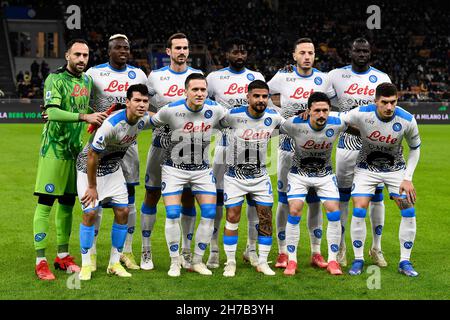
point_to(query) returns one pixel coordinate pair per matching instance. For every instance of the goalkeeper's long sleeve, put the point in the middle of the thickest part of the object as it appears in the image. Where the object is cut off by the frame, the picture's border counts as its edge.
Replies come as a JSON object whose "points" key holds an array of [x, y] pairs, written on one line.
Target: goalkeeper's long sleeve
{"points": [[56, 114]]}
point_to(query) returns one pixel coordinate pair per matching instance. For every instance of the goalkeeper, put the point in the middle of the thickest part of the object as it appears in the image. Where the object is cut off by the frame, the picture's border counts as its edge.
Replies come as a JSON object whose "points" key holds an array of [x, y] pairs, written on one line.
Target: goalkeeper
{"points": [[66, 106]]}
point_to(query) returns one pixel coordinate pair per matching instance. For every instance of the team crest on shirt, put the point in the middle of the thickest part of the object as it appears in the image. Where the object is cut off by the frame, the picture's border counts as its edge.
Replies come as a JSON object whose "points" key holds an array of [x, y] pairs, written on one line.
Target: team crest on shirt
{"points": [[373, 78], [329, 133], [208, 114], [50, 187], [250, 77], [268, 121], [141, 124], [318, 80], [131, 74], [397, 126]]}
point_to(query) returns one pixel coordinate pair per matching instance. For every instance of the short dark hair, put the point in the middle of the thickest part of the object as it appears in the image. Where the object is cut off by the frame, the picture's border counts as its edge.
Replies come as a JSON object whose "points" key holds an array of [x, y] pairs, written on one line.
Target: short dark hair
{"points": [[302, 40], [73, 41], [193, 76], [385, 89], [178, 35], [234, 42], [318, 96], [360, 40], [141, 88], [257, 84]]}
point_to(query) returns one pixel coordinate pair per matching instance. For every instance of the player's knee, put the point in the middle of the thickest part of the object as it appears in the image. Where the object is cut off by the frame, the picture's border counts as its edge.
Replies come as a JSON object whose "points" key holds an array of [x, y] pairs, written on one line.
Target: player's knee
{"points": [[173, 211], [378, 197], [408, 213], [359, 212], [152, 197], [67, 200], [208, 210], [89, 217], [46, 200], [121, 214], [334, 215], [344, 194]]}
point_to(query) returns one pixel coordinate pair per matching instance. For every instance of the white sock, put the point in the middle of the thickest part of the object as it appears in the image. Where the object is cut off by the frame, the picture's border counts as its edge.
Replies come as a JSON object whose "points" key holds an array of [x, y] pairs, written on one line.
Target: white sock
{"points": [[97, 223], [187, 227], [377, 222], [203, 235], [39, 259], [281, 217], [407, 234], [62, 255], [173, 234], [115, 256], [343, 208], [314, 222], [333, 239], [292, 237], [263, 253], [128, 247], [358, 232], [230, 251], [215, 236], [86, 258], [147, 224], [252, 230]]}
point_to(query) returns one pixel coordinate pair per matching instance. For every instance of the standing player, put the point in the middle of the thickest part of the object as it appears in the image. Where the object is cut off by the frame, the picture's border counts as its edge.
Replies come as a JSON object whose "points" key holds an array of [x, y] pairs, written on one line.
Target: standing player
{"points": [[311, 168], [228, 86], [246, 174], [294, 88], [111, 82], [66, 105], [191, 121], [355, 86], [166, 85], [100, 176], [383, 126]]}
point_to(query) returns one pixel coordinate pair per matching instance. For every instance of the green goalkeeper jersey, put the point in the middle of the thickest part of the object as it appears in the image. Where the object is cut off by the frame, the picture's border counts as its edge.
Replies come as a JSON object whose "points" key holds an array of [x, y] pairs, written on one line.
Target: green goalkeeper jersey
{"points": [[62, 140]]}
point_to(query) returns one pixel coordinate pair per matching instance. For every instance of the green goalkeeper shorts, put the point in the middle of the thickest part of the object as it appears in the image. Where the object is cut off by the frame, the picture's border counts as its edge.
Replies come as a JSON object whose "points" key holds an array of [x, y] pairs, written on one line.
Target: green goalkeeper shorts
{"points": [[56, 177]]}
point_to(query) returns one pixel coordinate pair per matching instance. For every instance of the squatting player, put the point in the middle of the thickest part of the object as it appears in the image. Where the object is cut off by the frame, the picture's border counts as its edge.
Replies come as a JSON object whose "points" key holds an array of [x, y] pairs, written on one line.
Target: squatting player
{"points": [[383, 126], [66, 106], [111, 81], [246, 174], [100, 177], [229, 87], [166, 85], [294, 88], [191, 121], [312, 168]]}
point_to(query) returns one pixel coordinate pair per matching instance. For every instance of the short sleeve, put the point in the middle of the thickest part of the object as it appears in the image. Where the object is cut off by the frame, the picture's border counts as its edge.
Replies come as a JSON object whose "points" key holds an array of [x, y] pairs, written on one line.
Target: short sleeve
{"points": [[350, 118], [274, 84], [101, 137], [412, 135], [160, 118]]}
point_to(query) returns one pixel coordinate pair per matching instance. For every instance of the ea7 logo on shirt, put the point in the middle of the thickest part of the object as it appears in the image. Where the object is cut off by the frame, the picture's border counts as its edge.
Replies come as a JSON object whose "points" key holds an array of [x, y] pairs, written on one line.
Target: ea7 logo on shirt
{"points": [[346, 76], [79, 91], [174, 91], [180, 114], [104, 74]]}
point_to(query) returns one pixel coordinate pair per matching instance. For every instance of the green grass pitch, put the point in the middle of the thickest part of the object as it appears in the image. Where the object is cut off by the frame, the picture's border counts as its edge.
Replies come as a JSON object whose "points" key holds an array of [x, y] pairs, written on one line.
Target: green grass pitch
{"points": [[20, 144]]}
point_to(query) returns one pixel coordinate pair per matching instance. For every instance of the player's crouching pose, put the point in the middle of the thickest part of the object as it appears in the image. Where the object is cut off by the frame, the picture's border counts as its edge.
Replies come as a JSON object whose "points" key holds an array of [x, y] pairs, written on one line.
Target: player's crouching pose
{"points": [[383, 126], [312, 168], [246, 174], [100, 178], [191, 121]]}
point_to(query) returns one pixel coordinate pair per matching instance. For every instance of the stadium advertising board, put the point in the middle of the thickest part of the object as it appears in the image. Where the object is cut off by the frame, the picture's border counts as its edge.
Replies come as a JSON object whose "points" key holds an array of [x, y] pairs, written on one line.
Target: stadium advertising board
{"points": [[425, 113]]}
